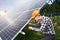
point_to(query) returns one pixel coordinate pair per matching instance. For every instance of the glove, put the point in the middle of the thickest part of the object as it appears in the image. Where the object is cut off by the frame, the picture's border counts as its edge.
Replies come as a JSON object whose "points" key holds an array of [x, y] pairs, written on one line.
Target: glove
{"points": [[31, 28]]}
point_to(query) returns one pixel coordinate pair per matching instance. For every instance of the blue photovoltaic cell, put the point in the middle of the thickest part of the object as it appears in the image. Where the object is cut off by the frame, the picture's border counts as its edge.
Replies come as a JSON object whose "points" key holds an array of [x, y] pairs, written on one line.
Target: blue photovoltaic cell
{"points": [[16, 20], [12, 29]]}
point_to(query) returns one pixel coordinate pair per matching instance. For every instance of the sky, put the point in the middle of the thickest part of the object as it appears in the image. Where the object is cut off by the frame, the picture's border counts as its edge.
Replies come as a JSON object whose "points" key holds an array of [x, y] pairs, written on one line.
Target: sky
{"points": [[49, 2]]}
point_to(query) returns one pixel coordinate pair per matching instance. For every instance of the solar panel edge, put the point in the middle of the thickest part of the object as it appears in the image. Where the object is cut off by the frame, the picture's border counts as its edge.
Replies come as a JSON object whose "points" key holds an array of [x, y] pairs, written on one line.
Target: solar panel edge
{"points": [[21, 29], [26, 23]]}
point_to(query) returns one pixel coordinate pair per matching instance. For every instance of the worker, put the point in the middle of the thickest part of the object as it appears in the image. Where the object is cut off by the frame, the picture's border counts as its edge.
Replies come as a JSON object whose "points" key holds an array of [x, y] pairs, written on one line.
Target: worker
{"points": [[46, 25]]}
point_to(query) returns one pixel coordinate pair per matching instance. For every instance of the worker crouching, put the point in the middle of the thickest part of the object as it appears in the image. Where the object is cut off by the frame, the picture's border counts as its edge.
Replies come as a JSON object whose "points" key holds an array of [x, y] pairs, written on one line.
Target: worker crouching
{"points": [[46, 25]]}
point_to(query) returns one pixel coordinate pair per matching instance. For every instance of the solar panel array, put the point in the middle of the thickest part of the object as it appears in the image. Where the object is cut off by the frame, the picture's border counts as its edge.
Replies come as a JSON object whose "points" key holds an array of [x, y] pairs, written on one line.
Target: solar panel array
{"points": [[14, 23]]}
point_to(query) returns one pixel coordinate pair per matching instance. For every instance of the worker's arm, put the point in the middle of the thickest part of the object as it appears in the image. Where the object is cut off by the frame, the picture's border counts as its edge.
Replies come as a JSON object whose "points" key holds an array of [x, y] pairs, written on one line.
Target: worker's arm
{"points": [[42, 28], [34, 25]]}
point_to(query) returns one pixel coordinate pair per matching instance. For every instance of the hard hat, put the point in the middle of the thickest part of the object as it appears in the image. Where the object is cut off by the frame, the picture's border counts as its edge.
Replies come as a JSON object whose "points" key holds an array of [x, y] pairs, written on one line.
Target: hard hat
{"points": [[35, 13]]}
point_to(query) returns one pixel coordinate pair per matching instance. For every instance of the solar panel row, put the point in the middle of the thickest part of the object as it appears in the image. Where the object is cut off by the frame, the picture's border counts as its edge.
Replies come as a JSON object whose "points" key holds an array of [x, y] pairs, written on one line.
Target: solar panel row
{"points": [[8, 31]]}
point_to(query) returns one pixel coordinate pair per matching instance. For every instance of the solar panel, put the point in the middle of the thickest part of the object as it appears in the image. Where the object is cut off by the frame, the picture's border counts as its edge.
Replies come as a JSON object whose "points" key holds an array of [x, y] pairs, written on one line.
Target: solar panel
{"points": [[13, 23]]}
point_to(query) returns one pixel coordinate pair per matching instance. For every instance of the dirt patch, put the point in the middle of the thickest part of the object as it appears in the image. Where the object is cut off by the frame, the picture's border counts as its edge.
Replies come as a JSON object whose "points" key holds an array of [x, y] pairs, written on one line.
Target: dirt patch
{"points": [[38, 33], [58, 27]]}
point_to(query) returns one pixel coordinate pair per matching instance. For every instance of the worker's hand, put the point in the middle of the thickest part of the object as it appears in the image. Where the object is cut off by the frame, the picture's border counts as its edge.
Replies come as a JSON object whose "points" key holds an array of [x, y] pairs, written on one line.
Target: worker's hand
{"points": [[31, 28], [29, 23]]}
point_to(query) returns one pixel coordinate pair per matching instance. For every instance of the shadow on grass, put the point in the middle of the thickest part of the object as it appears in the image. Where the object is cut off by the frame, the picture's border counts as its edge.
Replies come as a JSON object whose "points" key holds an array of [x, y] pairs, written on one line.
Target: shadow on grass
{"points": [[31, 35]]}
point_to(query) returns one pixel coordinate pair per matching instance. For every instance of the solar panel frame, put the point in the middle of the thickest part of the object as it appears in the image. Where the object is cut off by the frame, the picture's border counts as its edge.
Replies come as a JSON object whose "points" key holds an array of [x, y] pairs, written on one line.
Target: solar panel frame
{"points": [[27, 21]]}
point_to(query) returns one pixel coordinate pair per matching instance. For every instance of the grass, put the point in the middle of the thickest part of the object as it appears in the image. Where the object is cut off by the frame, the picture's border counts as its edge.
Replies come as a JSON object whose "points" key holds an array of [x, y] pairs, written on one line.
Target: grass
{"points": [[57, 33], [32, 35]]}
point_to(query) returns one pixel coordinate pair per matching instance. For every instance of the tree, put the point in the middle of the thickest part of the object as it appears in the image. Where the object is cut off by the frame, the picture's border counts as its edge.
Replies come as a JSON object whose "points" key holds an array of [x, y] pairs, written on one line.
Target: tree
{"points": [[51, 9]]}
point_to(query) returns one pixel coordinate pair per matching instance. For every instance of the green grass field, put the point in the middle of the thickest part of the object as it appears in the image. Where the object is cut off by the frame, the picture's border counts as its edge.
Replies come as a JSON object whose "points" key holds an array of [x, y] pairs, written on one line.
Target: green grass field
{"points": [[32, 35]]}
